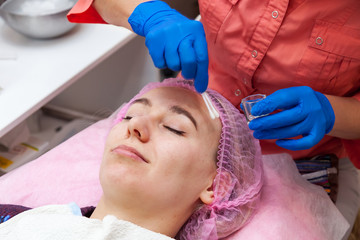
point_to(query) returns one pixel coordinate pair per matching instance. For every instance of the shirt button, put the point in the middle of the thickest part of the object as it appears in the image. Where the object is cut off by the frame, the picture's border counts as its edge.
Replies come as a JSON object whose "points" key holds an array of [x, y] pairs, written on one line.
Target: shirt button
{"points": [[254, 54], [237, 92], [245, 80], [319, 41], [275, 14]]}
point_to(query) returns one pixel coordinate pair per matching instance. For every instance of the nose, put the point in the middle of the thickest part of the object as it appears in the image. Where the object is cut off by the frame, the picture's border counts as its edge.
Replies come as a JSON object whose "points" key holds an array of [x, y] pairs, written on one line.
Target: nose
{"points": [[139, 127]]}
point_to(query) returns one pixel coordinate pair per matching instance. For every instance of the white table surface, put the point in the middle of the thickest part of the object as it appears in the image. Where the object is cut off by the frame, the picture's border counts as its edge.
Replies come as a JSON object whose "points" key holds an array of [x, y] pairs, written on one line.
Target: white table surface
{"points": [[32, 72]]}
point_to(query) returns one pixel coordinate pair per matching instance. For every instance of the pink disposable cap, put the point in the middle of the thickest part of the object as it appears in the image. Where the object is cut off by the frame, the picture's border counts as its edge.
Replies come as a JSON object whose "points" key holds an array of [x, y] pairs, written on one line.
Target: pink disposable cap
{"points": [[238, 181]]}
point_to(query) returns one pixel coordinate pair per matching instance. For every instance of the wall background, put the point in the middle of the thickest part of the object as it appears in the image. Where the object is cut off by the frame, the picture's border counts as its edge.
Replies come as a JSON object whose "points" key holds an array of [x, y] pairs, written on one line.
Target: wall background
{"points": [[189, 8]]}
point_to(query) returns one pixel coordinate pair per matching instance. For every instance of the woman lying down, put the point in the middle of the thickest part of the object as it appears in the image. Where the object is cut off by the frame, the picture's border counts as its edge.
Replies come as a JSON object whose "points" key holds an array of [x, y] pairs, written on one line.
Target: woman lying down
{"points": [[168, 171]]}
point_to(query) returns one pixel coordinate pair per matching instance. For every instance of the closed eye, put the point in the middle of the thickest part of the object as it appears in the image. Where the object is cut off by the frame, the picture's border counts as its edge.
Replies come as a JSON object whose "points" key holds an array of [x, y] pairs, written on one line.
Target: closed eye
{"points": [[178, 132]]}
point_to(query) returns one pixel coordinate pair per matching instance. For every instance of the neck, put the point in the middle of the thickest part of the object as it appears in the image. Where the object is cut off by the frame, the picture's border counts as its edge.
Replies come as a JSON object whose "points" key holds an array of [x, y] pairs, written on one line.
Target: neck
{"points": [[162, 221]]}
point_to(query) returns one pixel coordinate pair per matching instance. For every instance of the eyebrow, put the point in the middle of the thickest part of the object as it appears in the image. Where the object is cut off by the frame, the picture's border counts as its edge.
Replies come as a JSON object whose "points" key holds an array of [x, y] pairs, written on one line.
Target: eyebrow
{"points": [[175, 109], [144, 101], [180, 110]]}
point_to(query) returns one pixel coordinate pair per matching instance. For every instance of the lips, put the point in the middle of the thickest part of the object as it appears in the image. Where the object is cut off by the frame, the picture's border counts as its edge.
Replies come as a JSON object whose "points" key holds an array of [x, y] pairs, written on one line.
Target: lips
{"points": [[129, 152]]}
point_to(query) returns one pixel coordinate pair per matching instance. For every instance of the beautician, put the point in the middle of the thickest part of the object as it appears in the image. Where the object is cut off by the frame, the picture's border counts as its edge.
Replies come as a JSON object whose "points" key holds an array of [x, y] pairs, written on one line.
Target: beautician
{"points": [[305, 55]]}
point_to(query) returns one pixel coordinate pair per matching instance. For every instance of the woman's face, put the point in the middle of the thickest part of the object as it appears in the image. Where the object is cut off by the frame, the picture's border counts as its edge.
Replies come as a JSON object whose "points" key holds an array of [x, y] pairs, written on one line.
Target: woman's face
{"points": [[163, 153]]}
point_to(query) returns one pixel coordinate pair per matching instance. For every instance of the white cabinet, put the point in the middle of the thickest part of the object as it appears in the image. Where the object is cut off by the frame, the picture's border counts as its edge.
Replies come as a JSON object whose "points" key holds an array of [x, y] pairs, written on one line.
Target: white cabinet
{"points": [[105, 64], [92, 69]]}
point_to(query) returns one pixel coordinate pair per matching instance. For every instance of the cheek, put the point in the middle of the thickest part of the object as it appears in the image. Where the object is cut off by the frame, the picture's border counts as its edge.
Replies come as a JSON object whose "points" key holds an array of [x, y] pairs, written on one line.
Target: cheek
{"points": [[185, 159], [184, 176], [178, 152], [116, 133]]}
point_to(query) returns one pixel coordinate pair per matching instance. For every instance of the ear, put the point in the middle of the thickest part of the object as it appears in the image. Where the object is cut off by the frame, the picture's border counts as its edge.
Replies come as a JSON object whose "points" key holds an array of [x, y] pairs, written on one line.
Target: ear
{"points": [[225, 184], [207, 195]]}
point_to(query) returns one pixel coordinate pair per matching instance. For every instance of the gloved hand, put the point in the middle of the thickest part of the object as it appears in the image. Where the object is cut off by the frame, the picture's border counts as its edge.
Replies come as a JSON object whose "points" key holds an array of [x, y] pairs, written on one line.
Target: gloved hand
{"points": [[304, 112], [173, 40]]}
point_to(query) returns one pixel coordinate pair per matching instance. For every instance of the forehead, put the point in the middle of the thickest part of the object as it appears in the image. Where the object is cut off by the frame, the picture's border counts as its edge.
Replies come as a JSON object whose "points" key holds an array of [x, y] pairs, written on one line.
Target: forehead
{"points": [[181, 96]]}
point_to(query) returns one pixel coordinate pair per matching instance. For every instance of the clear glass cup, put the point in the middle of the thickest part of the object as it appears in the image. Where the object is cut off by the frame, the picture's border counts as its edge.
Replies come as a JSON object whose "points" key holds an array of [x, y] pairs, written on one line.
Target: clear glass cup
{"points": [[249, 102]]}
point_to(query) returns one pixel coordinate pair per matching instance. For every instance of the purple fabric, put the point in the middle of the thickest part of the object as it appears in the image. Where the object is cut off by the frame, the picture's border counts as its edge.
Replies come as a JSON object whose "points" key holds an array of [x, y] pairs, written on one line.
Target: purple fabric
{"points": [[8, 211]]}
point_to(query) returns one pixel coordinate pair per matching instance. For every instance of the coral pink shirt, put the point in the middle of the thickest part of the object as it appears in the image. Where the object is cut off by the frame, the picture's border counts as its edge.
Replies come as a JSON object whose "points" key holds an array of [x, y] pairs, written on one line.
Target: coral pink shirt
{"points": [[258, 46]]}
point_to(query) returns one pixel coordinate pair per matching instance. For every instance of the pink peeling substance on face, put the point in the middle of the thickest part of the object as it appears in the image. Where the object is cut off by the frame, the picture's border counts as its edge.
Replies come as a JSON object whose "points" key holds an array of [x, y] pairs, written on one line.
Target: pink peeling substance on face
{"points": [[129, 152]]}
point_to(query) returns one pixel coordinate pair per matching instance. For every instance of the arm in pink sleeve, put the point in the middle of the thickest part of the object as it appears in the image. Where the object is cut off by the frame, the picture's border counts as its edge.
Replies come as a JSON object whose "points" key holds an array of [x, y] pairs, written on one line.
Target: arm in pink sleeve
{"points": [[84, 12]]}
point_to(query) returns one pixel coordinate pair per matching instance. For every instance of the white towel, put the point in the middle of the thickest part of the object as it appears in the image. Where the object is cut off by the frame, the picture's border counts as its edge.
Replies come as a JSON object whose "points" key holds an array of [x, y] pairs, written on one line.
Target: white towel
{"points": [[62, 222]]}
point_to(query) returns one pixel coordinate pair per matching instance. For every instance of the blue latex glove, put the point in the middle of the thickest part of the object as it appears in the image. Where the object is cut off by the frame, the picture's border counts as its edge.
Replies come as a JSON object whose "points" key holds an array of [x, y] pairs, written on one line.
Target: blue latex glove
{"points": [[304, 112], [173, 40]]}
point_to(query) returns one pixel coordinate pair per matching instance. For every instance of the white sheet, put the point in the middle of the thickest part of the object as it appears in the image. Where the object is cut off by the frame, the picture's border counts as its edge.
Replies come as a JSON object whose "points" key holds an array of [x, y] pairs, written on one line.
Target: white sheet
{"points": [[63, 222]]}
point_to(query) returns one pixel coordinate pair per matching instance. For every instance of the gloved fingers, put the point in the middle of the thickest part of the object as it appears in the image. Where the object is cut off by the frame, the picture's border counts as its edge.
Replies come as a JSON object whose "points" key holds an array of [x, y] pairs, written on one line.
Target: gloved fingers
{"points": [[172, 57], [303, 143], [202, 59], [154, 42], [300, 128], [187, 58], [278, 120], [281, 99]]}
